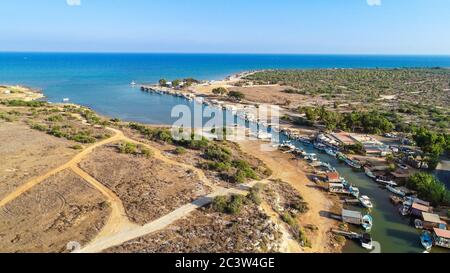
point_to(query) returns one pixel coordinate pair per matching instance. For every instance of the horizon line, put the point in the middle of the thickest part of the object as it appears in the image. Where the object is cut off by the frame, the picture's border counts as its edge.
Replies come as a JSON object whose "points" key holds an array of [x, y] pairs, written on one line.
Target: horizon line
{"points": [[227, 53]]}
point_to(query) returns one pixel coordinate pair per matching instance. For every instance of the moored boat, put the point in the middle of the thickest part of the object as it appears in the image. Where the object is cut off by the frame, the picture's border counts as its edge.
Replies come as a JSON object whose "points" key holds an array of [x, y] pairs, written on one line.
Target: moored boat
{"points": [[396, 191], [367, 222], [330, 152], [365, 202], [426, 240], [386, 181], [366, 241], [369, 173]]}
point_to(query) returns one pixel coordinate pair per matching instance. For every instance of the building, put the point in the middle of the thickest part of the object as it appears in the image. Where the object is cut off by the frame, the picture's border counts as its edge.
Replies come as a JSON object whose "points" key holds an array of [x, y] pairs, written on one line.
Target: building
{"points": [[343, 138], [441, 237], [431, 221], [333, 177], [417, 209], [351, 217]]}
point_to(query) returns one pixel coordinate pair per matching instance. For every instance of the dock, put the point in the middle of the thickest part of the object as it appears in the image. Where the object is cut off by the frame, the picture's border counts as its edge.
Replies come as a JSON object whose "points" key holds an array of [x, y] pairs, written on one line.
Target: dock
{"points": [[347, 234]]}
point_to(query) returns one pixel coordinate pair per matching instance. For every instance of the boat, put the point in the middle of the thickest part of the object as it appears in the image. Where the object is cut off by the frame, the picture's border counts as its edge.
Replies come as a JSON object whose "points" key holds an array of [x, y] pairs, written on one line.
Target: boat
{"points": [[427, 240], [369, 173], [341, 156], [418, 224], [395, 190], [366, 241], [133, 83], [66, 100], [367, 222], [304, 140], [365, 202], [319, 146], [330, 152], [386, 181], [353, 164], [404, 210], [354, 191]]}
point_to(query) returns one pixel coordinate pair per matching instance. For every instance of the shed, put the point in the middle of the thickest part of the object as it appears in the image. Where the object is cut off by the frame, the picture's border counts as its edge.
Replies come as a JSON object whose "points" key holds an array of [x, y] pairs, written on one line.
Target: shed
{"points": [[431, 221], [333, 177], [441, 237], [352, 217], [417, 209]]}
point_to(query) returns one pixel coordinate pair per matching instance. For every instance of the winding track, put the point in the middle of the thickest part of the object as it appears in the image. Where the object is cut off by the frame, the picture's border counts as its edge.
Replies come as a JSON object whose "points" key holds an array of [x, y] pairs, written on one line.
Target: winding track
{"points": [[118, 228]]}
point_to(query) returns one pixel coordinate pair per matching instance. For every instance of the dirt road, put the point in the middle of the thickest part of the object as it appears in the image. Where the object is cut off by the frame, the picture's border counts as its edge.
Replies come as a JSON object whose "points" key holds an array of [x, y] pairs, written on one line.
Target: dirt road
{"points": [[288, 171]]}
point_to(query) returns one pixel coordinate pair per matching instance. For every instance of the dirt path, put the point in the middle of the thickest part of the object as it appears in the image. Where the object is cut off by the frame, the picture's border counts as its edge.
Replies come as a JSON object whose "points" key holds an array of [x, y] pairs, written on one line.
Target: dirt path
{"points": [[288, 171], [119, 238], [72, 163], [118, 220]]}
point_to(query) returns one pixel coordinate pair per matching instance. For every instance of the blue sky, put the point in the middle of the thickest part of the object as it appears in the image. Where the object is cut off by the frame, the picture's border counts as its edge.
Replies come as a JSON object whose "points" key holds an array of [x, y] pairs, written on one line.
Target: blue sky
{"points": [[228, 26]]}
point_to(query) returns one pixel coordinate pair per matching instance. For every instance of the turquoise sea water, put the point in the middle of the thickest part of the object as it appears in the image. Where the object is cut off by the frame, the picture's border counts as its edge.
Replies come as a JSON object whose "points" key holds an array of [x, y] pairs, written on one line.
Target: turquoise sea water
{"points": [[102, 82]]}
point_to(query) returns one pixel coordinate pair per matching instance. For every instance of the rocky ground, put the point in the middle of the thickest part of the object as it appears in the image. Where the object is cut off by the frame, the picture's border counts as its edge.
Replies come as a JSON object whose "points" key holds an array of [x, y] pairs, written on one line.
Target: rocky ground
{"points": [[62, 209], [148, 188], [206, 231]]}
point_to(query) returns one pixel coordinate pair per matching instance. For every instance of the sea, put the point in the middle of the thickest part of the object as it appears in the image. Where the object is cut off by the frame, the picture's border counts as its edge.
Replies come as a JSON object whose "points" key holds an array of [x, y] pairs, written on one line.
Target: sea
{"points": [[101, 81]]}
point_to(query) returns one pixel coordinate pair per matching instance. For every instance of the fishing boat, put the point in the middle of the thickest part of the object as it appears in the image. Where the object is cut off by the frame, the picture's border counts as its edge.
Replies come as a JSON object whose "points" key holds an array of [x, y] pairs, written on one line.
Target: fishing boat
{"points": [[369, 173], [304, 140], [405, 210], [341, 156], [418, 224], [353, 164], [365, 202], [386, 181], [319, 146], [330, 152], [427, 240], [366, 241], [354, 191], [367, 222], [395, 191]]}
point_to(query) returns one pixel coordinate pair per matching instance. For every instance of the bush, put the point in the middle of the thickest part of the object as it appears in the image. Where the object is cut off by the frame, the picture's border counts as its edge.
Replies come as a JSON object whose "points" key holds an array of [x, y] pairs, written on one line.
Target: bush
{"points": [[76, 147], [180, 151], [146, 152], [22, 103], [219, 154], [255, 194], [220, 91], [236, 95], [39, 127], [127, 148], [55, 118], [229, 205]]}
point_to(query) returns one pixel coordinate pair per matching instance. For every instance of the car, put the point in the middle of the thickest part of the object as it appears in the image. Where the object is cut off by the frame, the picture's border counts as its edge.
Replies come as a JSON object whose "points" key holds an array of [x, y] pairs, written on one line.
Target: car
{"points": [[403, 166]]}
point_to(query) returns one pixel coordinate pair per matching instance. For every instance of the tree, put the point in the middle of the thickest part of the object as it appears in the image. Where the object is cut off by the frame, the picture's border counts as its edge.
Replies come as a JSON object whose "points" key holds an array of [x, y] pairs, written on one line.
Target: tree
{"points": [[220, 91], [236, 95], [429, 188], [162, 82], [176, 83]]}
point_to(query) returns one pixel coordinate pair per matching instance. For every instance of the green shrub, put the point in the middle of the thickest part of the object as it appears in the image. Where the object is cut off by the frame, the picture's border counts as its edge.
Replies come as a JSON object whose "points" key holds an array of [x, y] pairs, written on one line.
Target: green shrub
{"points": [[230, 205], [127, 148], [180, 151], [39, 127], [55, 118]]}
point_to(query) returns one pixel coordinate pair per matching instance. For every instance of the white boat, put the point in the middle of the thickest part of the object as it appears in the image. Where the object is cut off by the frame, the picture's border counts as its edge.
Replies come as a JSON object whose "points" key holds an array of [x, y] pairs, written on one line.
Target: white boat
{"points": [[353, 164], [331, 152], [405, 210], [365, 202], [418, 224], [385, 181], [133, 83], [395, 190], [66, 100], [367, 222], [366, 241], [369, 173], [354, 191]]}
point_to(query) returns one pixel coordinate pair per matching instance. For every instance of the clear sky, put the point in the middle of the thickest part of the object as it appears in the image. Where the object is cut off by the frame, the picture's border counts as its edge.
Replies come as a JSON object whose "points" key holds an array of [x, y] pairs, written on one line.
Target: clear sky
{"points": [[227, 26]]}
